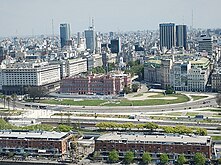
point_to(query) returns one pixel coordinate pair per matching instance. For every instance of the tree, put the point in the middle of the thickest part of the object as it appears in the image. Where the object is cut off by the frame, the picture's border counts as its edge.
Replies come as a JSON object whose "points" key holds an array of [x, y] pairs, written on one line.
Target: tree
{"points": [[218, 99], [151, 126], [199, 159], [169, 90], [135, 87], [63, 128], [113, 156], [35, 92], [164, 158], [146, 158], [181, 159], [8, 99], [129, 157], [126, 89], [201, 131], [14, 97]]}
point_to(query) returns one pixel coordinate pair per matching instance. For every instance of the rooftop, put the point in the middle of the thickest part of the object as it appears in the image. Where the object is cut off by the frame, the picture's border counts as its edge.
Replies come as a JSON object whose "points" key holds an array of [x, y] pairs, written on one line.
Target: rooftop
{"points": [[201, 61], [156, 138], [32, 135]]}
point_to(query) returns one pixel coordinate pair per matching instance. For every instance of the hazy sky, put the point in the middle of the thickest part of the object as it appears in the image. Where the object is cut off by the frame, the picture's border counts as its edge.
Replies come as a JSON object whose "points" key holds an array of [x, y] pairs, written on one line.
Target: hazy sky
{"points": [[27, 17]]}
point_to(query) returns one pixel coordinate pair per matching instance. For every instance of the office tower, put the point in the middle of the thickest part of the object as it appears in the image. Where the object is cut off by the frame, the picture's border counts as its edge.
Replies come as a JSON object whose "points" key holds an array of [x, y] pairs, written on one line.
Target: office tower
{"points": [[167, 35], [115, 46], [65, 34], [181, 36], [206, 44], [1, 53], [79, 38], [90, 39]]}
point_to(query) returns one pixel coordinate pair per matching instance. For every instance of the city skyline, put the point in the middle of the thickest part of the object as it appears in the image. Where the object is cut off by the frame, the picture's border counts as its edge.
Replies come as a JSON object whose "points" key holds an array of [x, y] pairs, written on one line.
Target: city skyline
{"points": [[25, 17]]}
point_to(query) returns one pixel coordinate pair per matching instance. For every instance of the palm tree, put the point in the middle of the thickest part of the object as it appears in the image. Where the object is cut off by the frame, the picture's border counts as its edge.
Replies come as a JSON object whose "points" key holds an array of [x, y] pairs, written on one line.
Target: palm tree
{"points": [[14, 97], [8, 99]]}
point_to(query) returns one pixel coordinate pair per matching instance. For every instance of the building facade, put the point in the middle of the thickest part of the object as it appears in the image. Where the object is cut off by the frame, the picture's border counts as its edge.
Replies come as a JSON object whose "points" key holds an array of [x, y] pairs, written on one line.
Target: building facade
{"points": [[179, 76], [65, 34], [152, 71], [90, 39], [167, 35], [76, 66], [206, 44], [216, 80], [115, 46], [47, 144], [172, 145], [15, 77], [181, 36], [95, 84], [166, 65]]}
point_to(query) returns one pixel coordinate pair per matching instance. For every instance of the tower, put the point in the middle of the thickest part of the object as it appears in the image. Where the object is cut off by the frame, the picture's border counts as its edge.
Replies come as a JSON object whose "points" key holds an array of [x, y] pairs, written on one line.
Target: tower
{"points": [[90, 37], [65, 34], [206, 44], [181, 36], [115, 46], [167, 35]]}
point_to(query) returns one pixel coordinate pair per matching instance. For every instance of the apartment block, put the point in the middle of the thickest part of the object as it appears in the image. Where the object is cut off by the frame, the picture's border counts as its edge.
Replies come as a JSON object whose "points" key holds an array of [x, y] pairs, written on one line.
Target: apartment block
{"points": [[172, 145], [47, 144]]}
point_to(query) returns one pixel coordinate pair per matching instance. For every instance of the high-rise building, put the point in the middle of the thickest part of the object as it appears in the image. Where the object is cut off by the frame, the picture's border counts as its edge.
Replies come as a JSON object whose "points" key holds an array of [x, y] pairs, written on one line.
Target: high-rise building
{"points": [[115, 46], [181, 36], [167, 35], [65, 34], [206, 44], [1, 53], [90, 39]]}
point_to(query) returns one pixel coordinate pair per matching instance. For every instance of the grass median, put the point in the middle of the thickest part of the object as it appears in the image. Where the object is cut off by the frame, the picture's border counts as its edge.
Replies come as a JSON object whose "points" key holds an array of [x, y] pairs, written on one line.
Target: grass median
{"points": [[123, 102]]}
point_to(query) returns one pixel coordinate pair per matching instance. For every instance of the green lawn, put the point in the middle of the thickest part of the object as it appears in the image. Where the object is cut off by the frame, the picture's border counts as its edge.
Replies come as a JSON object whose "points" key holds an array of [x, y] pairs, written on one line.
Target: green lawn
{"points": [[191, 113], [180, 98], [195, 97], [216, 137], [72, 102], [124, 102]]}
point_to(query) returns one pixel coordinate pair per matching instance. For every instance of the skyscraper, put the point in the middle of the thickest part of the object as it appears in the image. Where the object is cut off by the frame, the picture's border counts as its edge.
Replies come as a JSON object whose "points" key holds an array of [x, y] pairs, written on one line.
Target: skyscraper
{"points": [[181, 36], [115, 46], [90, 39], [65, 34], [167, 35], [206, 44]]}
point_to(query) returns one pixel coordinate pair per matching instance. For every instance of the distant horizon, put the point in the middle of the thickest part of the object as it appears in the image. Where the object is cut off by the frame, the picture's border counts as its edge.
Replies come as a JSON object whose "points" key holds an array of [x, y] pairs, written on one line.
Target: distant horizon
{"points": [[30, 17]]}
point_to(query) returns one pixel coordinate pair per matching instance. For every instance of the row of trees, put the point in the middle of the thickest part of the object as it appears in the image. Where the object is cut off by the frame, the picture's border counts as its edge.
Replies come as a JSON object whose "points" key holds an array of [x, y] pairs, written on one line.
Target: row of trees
{"points": [[33, 92], [113, 157], [8, 99], [181, 129]]}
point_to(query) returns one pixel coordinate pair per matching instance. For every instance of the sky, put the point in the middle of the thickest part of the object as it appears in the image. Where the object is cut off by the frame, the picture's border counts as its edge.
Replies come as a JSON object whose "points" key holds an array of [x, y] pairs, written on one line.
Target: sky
{"points": [[34, 17]]}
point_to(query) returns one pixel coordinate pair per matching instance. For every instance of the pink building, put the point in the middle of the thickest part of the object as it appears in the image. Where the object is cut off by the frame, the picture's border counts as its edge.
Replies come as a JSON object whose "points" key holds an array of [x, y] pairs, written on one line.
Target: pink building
{"points": [[95, 84]]}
